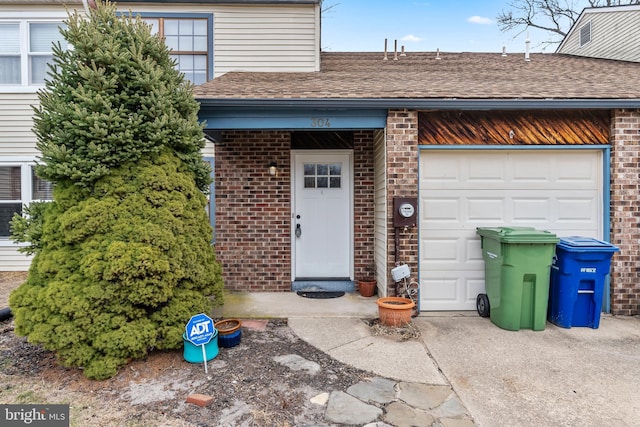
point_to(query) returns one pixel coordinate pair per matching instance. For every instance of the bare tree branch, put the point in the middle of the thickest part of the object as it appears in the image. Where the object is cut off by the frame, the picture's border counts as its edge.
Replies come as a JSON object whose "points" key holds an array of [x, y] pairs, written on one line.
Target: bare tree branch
{"points": [[553, 16]]}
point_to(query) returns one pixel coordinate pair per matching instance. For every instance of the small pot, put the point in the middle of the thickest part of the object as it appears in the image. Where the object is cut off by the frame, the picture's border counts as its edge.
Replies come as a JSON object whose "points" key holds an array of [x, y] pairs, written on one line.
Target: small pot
{"points": [[227, 326], [229, 332], [395, 311], [367, 288]]}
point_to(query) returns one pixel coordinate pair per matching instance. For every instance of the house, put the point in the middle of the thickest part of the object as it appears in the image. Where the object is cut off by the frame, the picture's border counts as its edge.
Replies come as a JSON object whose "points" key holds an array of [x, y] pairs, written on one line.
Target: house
{"points": [[476, 139], [330, 167], [605, 32], [208, 38], [27, 29]]}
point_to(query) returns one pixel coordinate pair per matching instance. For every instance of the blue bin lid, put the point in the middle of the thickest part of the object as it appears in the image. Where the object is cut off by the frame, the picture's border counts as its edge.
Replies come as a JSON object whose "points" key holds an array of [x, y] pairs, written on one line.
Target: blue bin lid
{"points": [[585, 244], [517, 234]]}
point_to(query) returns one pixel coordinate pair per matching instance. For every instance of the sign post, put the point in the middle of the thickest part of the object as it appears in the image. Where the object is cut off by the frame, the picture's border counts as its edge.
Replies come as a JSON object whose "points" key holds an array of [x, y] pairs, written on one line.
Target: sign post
{"points": [[199, 331]]}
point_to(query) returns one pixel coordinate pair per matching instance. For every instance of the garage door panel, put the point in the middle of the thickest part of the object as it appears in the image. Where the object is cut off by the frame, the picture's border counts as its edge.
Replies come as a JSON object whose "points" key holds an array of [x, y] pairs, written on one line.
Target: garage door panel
{"points": [[579, 170], [444, 174], [492, 172], [446, 291], [540, 208], [484, 208], [442, 250], [462, 253], [440, 209], [533, 170], [512, 171], [441, 289], [531, 209], [460, 190], [577, 209]]}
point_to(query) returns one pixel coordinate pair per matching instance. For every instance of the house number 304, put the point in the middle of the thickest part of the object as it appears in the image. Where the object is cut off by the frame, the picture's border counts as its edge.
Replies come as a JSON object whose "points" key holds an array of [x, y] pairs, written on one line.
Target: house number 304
{"points": [[320, 123]]}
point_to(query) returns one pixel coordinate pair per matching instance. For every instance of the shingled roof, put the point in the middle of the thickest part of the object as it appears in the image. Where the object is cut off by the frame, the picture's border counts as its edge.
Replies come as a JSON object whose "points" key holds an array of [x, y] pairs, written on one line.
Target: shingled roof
{"points": [[348, 75]]}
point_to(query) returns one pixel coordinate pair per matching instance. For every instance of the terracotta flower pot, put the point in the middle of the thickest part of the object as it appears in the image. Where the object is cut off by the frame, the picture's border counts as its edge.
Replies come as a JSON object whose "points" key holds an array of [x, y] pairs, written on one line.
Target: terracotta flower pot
{"points": [[367, 288], [395, 311], [229, 332], [227, 326]]}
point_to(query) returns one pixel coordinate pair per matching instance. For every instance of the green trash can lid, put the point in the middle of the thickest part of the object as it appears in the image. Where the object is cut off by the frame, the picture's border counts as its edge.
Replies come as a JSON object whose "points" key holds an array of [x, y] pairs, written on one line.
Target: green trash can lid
{"points": [[517, 234]]}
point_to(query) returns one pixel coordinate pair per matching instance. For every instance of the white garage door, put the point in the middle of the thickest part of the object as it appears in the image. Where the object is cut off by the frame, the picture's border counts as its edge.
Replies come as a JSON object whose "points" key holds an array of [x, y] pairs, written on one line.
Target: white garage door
{"points": [[555, 190]]}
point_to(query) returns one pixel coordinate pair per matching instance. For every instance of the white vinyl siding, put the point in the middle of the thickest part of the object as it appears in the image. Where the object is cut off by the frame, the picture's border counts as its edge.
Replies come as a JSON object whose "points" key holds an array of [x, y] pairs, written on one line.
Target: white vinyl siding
{"points": [[17, 141], [614, 35], [12, 260], [265, 39], [380, 220], [16, 122], [255, 38]]}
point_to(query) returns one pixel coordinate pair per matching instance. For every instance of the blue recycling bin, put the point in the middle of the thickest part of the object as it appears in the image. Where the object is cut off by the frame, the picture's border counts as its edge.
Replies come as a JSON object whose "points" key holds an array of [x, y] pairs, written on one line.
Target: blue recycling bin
{"points": [[576, 286]]}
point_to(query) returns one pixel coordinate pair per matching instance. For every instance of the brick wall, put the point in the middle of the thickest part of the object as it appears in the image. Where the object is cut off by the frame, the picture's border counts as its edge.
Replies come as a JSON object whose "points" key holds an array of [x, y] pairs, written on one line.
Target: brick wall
{"points": [[363, 206], [402, 181], [253, 211], [625, 212]]}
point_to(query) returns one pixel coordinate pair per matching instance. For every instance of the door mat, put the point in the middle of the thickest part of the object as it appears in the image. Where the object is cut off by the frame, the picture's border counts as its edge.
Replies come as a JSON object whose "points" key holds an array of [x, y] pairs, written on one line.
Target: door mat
{"points": [[320, 294]]}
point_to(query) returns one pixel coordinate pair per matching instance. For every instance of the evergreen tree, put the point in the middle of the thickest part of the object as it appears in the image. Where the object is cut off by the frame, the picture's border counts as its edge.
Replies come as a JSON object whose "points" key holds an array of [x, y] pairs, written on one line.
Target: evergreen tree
{"points": [[123, 254]]}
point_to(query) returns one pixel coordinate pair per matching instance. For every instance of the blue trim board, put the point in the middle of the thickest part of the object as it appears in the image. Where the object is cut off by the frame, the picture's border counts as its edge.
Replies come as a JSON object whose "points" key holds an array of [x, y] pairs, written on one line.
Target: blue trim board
{"points": [[606, 231], [212, 197], [515, 147], [292, 118], [421, 103]]}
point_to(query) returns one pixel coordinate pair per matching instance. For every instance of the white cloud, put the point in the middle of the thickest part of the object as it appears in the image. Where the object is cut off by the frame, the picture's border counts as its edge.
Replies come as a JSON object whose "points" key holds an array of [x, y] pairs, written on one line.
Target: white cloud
{"points": [[479, 20], [411, 38]]}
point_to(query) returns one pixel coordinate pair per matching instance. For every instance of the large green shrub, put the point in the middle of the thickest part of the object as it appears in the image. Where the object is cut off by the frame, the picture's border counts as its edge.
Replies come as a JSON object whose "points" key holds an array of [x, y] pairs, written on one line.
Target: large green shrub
{"points": [[123, 255]]}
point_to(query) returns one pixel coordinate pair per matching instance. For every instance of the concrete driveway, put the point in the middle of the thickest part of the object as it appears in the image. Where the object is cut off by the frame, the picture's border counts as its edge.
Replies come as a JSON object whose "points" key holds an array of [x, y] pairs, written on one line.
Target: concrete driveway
{"points": [[555, 377]]}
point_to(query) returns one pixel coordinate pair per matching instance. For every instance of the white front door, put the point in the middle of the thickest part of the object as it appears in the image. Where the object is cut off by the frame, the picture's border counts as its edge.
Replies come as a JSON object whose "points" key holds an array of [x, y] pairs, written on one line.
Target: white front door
{"points": [[322, 217]]}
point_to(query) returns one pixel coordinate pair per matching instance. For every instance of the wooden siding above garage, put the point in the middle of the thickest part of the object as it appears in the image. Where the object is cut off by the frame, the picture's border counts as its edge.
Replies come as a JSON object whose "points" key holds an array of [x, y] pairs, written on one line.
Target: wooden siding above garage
{"points": [[514, 127]]}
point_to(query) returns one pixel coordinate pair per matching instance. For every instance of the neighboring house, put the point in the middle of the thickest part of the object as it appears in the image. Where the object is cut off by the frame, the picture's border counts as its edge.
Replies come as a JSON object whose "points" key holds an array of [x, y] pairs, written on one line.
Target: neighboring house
{"points": [[208, 38], [27, 29], [605, 32], [310, 160]]}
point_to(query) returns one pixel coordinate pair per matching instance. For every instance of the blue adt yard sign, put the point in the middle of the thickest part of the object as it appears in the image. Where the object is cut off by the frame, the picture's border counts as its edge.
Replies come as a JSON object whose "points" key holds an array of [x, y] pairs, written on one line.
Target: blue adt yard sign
{"points": [[200, 329]]}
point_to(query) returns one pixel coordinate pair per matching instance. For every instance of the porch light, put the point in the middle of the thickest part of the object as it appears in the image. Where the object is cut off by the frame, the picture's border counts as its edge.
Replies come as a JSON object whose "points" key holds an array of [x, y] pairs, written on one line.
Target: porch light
{"points": [[273, 169]]}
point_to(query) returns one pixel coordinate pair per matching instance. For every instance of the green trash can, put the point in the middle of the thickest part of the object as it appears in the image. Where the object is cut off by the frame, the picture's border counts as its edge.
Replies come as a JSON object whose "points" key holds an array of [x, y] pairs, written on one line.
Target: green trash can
{"points": [[517, 268]]}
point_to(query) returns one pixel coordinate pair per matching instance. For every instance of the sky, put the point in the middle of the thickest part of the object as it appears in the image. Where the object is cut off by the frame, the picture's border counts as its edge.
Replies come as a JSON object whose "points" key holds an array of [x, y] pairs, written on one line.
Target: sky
{"points": [[448, 25]]}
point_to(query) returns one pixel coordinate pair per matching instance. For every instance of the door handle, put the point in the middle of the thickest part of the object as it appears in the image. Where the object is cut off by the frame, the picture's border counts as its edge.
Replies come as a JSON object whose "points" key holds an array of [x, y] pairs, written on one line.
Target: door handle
{"points": [[298, 230]]}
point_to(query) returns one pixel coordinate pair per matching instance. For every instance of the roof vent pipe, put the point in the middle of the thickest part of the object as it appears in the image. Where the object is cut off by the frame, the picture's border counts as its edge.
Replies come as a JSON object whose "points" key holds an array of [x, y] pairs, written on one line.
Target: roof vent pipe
{"points": [[438, 54], [385, 50], [402, 51], [504, 51], [526, 50], [395, 50]]}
